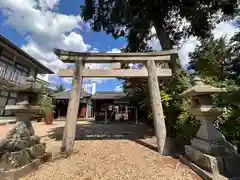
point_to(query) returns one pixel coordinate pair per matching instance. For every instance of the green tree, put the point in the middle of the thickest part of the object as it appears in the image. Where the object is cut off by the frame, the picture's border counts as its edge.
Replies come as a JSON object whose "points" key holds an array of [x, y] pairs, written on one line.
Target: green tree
{"points": [[60, 88], [45, 101], [134, 19], [212, 60], [181, 126], [178, 121], [235, 50]]}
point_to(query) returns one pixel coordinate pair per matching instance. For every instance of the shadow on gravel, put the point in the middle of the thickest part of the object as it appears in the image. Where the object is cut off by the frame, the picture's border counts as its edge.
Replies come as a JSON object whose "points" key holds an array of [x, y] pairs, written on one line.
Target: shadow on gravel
{"points": [[137, 133]]}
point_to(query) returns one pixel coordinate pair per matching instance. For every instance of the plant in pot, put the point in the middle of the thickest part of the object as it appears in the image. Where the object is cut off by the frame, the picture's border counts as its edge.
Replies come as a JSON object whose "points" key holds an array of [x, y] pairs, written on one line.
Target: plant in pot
{"points": [[46, 106]]}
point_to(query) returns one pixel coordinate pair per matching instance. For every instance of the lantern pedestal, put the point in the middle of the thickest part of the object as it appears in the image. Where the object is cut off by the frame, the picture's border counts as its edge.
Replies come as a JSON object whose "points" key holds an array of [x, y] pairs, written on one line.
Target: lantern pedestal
{"points": [[214, 167]]}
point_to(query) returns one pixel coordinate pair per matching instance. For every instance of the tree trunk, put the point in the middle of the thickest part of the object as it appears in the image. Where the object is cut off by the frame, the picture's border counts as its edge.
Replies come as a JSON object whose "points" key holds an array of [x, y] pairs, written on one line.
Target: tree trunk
{"points": [[163, 36], [165, 41]]}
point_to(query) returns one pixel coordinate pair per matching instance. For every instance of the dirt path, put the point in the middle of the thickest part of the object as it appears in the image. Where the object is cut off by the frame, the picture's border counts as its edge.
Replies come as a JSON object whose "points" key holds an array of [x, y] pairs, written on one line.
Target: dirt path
{"points": [[104, 153]]}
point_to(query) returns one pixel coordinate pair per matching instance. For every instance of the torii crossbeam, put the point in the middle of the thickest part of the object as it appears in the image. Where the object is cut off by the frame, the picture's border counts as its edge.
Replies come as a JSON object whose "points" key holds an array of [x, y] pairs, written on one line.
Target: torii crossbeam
{"points": [[150, 59]]}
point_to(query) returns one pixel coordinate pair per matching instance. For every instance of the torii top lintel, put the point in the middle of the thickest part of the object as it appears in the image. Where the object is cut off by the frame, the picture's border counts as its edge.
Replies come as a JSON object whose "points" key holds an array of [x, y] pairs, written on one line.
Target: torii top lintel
{"points": [[138, 57]]}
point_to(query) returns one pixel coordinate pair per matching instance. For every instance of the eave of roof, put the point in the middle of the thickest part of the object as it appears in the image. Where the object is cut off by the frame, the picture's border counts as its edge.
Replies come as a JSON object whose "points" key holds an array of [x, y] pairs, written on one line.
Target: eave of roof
{"points": [[66, 95], [20, 51], [108, 95]]}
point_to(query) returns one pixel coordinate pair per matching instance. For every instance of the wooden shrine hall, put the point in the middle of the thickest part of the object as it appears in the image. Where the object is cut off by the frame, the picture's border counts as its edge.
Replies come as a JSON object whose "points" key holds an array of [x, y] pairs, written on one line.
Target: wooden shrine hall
{"points": [[113, 107], [155, 65]]}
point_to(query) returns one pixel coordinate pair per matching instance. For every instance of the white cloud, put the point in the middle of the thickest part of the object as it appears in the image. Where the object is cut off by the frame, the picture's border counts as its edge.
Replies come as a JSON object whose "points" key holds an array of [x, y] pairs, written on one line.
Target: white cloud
{"points": [[188, 46], [87, 82], [73, 42], [25, 17], [101, 65], [154, 42], [224, 28], [114, 50], [48, 4], [46, 57], [44, 29]]}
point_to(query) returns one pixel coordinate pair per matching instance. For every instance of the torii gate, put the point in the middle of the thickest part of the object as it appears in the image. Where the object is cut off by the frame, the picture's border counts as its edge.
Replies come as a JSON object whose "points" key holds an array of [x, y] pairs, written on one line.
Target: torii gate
{"points": [[150, 59]]}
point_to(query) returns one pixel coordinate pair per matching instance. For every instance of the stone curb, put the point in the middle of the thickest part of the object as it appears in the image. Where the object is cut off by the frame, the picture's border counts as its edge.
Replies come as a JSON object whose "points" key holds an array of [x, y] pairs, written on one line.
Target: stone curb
{"points": [[202, 173], [14, 174]]}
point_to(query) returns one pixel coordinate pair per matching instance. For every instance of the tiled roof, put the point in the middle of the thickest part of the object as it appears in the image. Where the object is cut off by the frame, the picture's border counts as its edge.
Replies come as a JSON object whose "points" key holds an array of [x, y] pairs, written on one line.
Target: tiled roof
{"points": [[66, 94], [109, 95]]}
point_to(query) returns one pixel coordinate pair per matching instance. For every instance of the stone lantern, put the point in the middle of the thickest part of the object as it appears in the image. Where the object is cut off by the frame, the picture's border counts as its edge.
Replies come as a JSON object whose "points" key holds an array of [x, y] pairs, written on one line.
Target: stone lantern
{"points": [[209, 150], [27, 100], [21, 146]]}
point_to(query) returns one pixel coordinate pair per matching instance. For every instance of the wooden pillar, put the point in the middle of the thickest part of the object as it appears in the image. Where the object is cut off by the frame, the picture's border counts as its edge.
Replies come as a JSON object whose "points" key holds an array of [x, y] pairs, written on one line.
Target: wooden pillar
{"points": [[157, 110], [94, 109], [87, 110], [72, 111], [105, 113], [59, 113], [136, 115]]}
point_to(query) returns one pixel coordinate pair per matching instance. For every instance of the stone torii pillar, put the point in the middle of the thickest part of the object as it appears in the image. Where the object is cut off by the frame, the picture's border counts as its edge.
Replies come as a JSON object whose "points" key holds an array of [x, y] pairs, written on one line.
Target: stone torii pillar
{"points": [[72, 111], [157, 109]]}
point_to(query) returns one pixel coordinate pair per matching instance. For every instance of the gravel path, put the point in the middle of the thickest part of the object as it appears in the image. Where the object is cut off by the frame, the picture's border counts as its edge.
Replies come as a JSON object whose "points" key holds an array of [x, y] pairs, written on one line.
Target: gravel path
{"points": [[100, 156], [113, 160]]}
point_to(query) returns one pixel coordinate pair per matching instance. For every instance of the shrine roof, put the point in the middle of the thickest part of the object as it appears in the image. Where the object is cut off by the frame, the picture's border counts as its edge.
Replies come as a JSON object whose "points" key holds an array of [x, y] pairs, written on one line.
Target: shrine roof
{"points": [[108, 95], [66, 94]]}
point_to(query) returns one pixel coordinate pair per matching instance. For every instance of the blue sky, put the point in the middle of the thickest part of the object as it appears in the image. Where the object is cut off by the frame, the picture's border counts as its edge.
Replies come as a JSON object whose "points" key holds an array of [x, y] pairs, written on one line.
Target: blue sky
{"points": [[37, 26]]}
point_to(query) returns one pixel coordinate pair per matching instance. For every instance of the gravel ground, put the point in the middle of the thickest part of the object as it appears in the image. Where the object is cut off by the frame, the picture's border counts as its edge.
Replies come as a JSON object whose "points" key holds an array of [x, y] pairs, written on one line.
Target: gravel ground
{"points": [[104, 152]]}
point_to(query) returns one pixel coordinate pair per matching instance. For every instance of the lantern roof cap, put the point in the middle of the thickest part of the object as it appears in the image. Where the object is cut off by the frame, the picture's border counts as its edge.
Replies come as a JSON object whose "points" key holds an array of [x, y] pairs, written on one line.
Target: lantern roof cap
{"points": [[200, 89]]}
